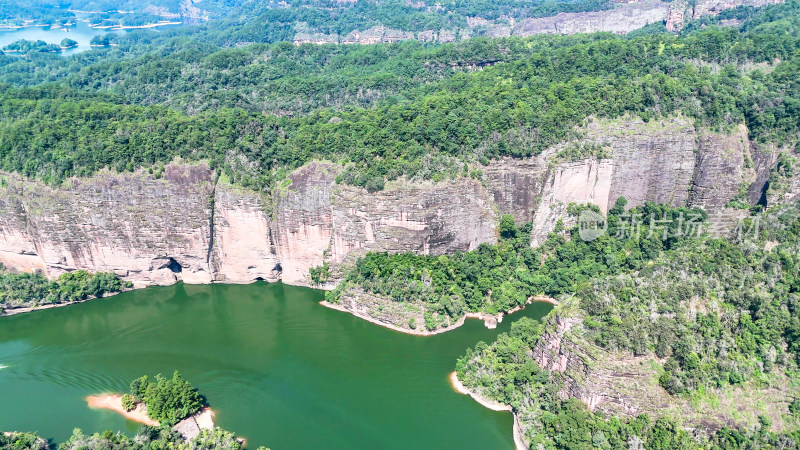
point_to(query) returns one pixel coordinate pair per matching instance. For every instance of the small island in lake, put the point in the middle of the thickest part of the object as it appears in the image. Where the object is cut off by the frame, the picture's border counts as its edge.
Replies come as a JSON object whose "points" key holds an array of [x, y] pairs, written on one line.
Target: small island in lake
{"points": [[170, 402], [25, 46], [174, 415]]}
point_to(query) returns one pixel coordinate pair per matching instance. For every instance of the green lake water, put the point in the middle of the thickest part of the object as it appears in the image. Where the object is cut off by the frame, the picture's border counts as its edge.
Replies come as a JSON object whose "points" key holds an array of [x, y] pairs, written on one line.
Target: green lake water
{"points": [[277, 368]]}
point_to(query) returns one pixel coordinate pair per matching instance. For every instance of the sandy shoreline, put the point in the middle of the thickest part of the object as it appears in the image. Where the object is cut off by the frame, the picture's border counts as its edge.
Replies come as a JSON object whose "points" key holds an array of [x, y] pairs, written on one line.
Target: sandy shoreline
{"points": [[114, 403], [189, 427], [491, 404], [423, 332], [14, 311], [489, 320], [519, 442]]}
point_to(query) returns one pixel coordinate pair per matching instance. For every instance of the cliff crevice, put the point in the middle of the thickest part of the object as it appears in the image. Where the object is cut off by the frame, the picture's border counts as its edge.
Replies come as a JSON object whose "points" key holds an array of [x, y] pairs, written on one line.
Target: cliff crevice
{"points": [[144, 228]]}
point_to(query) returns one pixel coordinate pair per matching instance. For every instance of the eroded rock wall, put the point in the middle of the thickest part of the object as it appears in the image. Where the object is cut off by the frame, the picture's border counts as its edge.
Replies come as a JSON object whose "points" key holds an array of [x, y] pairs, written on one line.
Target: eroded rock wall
{"points": [[318, 221], [146, 230], [243, 250], [652, 161], [723, 168], [622, 384], [189, 226], [621, 19]]}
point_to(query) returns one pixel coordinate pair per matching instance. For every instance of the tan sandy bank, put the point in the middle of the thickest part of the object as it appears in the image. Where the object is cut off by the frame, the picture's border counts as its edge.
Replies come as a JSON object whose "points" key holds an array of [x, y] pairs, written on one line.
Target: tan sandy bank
{"points": [[490, 320], [189, 427], [114, 403], [491, 404], [519, 440]]}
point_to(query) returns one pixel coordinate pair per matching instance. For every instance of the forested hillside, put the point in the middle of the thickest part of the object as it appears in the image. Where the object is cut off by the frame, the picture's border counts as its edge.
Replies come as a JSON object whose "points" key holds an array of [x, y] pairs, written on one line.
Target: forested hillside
{"points": [[388, 111], [720, 316], [273, 21]]}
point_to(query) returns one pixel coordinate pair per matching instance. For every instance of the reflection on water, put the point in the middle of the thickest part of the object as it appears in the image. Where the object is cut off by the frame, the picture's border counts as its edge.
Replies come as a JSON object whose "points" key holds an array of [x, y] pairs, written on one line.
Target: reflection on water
{"points": [[277, 367]]}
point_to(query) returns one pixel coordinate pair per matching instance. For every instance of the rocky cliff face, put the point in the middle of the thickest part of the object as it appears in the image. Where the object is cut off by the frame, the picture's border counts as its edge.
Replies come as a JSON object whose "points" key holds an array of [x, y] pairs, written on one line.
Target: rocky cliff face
{"points": [[146, 230], [714, 7], [319, 221], [664, 161], [187, 226], [621, 384], [622, 18], [243, 249]]}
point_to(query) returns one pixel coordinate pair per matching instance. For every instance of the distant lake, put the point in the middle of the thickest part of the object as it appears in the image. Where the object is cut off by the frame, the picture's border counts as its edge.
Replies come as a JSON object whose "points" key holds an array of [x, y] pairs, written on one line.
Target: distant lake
{"points": [[81, 32]]}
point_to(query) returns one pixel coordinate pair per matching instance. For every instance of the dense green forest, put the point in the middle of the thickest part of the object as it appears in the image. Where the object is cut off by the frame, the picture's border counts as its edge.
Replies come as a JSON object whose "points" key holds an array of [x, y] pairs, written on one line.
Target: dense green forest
{"points": [[168, 400], [145, 438], [25, 47], [428, 115], [496, 278], [22, 290], [720, 312]]}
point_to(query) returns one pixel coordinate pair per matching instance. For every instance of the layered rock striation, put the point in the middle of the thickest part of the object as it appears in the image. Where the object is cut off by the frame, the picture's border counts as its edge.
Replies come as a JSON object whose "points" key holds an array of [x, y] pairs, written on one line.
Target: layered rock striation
{"points": [[189, 226], [621, 18]]}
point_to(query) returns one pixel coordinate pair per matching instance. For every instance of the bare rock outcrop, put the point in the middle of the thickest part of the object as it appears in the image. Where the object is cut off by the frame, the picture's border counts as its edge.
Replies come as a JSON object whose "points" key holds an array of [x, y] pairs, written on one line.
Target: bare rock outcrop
{"points": [[651, 161], [318, 221], [188, 226], [723, 165], [621, 19], [587, 181], [515, 185], [434, 219], [146, 230], [190, 427], [242, 249], [303, 223], [676, 15], [714, 7]]}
